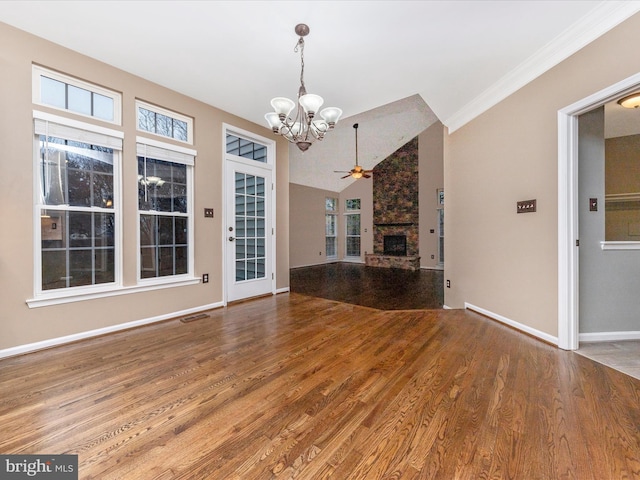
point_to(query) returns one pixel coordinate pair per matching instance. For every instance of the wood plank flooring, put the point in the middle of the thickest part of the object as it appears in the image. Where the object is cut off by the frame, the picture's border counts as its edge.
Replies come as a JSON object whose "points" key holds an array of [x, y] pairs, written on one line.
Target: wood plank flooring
{"points": [[375, 287], [293, 386]]}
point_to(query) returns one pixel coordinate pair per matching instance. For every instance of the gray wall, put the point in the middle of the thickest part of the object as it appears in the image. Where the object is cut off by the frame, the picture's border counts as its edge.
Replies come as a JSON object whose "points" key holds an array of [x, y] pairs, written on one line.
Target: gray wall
{"points": [[609, 280]]}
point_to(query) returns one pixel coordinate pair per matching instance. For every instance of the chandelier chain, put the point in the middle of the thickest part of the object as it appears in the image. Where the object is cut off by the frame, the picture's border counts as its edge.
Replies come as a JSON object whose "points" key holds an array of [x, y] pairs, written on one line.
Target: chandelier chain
{"points": [[300, 45]]}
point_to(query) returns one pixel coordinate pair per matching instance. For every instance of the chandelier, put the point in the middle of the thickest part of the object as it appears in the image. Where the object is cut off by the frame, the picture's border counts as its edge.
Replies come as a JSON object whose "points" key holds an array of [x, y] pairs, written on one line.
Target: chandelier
{"points": [[305, 127]]}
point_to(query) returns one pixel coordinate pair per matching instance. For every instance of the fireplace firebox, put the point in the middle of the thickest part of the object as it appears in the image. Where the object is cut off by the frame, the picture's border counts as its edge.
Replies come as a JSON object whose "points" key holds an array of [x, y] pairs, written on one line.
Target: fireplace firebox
{"points": [[395, 245]]}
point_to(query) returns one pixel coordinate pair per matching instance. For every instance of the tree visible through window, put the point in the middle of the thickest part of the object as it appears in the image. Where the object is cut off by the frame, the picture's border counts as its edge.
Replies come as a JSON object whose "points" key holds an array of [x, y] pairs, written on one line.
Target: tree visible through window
{"points": [[77, 214], [331, 229]]}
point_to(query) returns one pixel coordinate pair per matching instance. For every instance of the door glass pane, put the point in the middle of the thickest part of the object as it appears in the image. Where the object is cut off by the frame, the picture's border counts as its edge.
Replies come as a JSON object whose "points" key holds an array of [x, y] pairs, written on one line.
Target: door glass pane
{"points": [[250, 228]]}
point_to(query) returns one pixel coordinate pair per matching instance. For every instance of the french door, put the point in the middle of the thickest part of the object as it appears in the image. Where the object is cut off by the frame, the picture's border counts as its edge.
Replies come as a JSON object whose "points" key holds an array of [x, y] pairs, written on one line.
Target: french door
{"points": [[249, 234]]}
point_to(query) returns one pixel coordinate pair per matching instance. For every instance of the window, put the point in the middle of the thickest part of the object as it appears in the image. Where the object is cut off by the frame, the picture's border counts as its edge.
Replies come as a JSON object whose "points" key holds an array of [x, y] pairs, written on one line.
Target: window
{"points": [[352, 205], [164, 122], [165, 202], [76, 205], [246, 148], [66, 93], [331, 244]]}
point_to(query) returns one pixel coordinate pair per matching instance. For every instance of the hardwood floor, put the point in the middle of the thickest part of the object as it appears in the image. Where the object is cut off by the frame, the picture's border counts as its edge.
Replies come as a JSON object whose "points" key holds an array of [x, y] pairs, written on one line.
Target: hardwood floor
{"points": [[293, 386], [375, 287]]}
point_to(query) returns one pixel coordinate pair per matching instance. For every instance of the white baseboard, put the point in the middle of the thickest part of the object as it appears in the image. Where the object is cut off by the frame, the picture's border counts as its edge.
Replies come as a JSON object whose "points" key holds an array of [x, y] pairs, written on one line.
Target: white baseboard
{"points": [[32, 347], [608, 336], [446, 307], [512, 323], [282, 290]]}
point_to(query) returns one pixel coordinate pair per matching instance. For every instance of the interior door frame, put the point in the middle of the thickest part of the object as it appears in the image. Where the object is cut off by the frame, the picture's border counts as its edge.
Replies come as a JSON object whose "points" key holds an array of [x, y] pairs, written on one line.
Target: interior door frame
{"points": [[568, 229], [271, 165]]}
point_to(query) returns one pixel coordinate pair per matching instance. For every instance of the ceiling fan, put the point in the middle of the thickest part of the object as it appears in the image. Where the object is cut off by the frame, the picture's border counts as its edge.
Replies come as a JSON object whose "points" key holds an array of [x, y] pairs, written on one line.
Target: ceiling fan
{"points": [[357, 171]]}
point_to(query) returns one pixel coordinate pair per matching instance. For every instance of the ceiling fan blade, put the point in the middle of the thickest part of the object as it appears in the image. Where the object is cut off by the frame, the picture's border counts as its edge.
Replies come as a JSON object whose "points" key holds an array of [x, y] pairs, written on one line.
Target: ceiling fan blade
{"points": [[366, 175], [346, 176], [341, 171]]}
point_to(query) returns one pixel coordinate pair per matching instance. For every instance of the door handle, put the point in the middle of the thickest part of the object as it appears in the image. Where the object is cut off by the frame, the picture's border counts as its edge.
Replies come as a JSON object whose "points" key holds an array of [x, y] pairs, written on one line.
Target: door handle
{"points": [[231, 239]]}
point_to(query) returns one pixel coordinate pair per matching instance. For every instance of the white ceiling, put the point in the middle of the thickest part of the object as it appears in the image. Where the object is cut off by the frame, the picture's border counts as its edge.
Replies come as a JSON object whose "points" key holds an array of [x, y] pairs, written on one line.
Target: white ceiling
{"points": [[458, 57]]}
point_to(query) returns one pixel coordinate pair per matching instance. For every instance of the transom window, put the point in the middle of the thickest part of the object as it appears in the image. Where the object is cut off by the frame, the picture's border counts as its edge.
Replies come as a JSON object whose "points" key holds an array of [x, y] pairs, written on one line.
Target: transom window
{"points": [[246, 148], [67, 93], [164, 122]]}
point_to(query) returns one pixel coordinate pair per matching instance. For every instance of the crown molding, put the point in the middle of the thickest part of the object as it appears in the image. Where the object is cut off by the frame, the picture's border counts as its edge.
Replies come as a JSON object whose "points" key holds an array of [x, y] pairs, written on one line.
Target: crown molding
{"points": [[600, 20]]}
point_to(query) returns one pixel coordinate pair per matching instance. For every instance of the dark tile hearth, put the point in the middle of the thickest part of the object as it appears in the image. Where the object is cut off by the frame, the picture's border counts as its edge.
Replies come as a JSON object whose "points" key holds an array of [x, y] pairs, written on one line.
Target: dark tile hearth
{"points": [[380, 288]]}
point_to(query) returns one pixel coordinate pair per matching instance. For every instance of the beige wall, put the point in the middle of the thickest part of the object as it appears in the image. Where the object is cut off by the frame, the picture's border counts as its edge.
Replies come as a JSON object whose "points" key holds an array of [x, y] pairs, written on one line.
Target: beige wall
{"points": [[500, 261], [430, 151], [307, 209], [362, 189], [20, 325], [306, 218]]}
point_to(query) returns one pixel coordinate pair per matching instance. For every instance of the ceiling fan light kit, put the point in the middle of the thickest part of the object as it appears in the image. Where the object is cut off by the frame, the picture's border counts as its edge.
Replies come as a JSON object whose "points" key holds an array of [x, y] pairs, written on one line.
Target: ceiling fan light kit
{"points": [[357, 171], [305, 127]]}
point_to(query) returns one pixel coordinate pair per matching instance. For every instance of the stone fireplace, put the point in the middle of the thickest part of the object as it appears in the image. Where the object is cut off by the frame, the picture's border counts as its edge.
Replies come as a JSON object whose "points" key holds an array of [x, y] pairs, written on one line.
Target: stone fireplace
{"points": [[395, 210]]}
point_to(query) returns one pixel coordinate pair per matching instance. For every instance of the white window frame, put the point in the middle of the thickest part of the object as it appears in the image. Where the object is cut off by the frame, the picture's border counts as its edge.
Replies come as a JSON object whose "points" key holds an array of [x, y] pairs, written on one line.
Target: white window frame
{"points": [[175, 154], [38, 72], [334, 214], [168, 113], [351, 212], [92, 134]]}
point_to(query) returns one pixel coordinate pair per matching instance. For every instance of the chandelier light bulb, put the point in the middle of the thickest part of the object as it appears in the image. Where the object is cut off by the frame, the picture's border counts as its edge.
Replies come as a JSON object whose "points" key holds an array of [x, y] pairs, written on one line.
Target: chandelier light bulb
{"points": [[311, 103]]}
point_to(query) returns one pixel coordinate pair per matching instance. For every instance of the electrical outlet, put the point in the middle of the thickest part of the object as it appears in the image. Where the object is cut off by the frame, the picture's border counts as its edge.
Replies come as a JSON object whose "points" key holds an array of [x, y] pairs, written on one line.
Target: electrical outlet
{"points": [[205, 278], [448, 283], [208, 213]]}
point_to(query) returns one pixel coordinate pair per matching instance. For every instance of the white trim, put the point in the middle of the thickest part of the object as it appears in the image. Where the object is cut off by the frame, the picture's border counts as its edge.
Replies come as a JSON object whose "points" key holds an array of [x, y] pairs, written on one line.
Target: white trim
{"points": [[38, 72], [620, 245], [568, 206], [282, 290], [69, 122], [609, 336], [167, 113], [353, 260], [52, 297], [32, 347], [152, 142], [446, 307], [270, 166], [595, 24], [512, 323], [45, 300]]}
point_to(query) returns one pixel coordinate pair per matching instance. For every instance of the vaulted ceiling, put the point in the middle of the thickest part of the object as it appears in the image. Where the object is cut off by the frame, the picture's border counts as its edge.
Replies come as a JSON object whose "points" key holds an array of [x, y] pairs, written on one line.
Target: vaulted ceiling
{"points": [[446, 60]]}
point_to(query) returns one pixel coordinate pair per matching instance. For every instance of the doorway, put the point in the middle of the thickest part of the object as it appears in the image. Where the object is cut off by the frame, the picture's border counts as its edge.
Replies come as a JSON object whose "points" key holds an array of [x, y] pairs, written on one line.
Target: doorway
{"points": [[568, 207], [249, 235]]}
